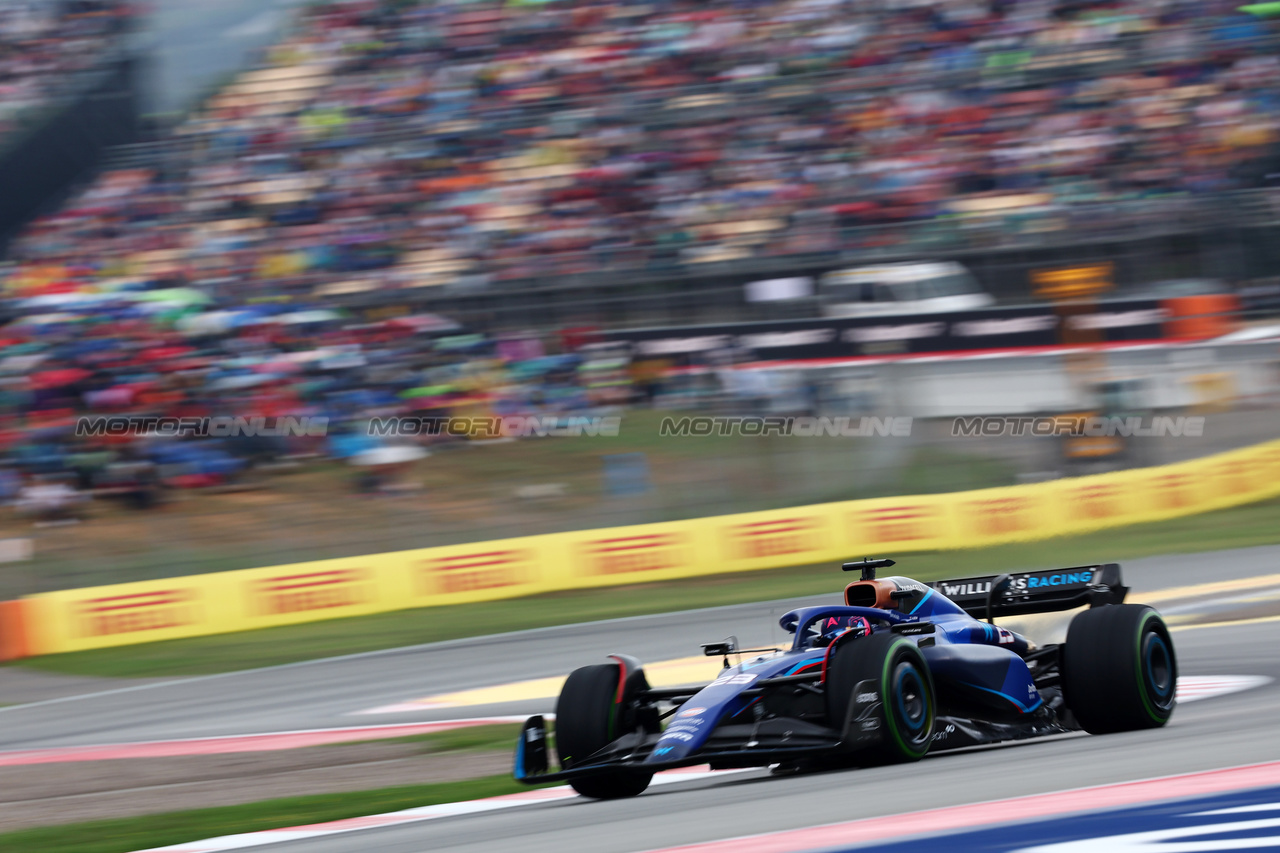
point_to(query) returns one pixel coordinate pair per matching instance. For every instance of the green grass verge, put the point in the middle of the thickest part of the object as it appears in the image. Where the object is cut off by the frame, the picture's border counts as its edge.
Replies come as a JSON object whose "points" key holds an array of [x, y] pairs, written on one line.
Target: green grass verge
{"points": [[122, 835], [1255, 524]]}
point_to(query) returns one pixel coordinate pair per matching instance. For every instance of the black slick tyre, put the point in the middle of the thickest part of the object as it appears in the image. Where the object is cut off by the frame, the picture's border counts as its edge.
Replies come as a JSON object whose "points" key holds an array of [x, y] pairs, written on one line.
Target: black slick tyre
{"points": [[1119, 671], [587, 719], [901, 677]]}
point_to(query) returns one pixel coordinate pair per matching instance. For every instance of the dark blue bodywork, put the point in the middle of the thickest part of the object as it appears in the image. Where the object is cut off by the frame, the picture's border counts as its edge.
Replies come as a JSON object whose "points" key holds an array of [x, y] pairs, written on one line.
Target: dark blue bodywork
{"points": [[970, 659], [987, 684]]}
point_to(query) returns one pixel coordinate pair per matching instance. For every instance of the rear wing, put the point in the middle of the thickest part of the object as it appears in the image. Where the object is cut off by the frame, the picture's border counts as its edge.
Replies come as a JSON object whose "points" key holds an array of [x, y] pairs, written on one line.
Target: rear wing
{"points": [[1019, 593]]}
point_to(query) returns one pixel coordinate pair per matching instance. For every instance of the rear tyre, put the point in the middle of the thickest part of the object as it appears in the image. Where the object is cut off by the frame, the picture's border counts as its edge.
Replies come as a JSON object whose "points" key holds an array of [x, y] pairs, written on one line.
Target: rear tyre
{"points": [[904, 683], [588, 719], [1119, 671]]}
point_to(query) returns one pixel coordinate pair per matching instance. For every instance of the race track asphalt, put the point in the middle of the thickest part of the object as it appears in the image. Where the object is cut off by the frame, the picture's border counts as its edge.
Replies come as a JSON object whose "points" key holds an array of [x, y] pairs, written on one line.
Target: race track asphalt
{"points": [[1224, 731]]}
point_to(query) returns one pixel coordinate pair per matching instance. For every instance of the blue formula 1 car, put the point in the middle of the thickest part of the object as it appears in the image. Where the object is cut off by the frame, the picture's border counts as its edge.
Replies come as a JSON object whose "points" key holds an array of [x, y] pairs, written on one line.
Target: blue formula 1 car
{"points": [[900, 670]]}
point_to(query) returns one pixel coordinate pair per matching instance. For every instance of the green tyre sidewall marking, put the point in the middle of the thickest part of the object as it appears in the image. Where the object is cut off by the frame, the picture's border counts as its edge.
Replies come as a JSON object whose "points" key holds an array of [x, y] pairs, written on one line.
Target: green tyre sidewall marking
{"points": [[1147, 704], [890, 722]]}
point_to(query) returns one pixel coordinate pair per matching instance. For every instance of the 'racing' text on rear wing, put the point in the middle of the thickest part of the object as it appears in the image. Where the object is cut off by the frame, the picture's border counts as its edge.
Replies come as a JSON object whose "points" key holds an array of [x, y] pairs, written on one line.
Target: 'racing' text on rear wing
{"points": [[1019, 593]]}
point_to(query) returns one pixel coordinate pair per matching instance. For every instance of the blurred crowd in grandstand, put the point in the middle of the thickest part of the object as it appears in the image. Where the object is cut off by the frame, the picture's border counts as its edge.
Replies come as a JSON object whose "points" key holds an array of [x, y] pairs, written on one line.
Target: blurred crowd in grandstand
{"points": [[44, 44], [413, 144], [160, 354], [394, 145]]}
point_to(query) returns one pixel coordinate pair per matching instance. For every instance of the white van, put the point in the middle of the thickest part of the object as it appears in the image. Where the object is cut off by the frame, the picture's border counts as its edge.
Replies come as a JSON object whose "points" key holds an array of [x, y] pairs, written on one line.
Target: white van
{"points": [[907, 288]]}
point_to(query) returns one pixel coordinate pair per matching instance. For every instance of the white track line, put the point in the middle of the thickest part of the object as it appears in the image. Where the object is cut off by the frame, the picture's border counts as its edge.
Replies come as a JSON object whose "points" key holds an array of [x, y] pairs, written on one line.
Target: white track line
{"points": [[425, 813]]}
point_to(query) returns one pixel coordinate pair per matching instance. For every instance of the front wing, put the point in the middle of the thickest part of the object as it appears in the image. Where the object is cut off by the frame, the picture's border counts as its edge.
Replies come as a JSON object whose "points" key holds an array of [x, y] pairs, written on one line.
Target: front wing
{"points": [[743, 745]]}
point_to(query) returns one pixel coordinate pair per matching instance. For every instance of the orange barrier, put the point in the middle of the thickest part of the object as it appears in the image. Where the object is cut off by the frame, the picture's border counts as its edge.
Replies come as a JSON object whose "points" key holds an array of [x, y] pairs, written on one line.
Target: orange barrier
{"points": [[13, 630]]}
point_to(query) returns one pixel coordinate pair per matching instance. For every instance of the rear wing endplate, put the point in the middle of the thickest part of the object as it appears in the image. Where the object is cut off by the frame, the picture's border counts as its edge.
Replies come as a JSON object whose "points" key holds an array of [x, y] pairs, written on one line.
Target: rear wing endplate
{"points": [[1018, 593]]}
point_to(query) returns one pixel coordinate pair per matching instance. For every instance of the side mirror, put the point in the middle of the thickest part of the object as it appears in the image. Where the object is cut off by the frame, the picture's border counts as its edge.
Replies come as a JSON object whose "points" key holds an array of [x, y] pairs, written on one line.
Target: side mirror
{"points": [[725, 647]]}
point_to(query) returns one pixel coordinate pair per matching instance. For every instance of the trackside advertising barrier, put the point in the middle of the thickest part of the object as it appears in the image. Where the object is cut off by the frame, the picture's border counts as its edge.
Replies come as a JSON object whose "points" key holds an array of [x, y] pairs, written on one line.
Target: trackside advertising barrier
{"points": [[148, 611]]}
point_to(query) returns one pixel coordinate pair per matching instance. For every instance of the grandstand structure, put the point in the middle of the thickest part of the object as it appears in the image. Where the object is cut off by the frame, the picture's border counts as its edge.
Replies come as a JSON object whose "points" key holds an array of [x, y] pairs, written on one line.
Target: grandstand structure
{"points": [[517, 164]]}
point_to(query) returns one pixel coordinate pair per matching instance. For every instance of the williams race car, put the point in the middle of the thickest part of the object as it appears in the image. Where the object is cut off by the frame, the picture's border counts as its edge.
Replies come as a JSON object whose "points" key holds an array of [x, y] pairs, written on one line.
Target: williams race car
{"points": [[900, 670]]}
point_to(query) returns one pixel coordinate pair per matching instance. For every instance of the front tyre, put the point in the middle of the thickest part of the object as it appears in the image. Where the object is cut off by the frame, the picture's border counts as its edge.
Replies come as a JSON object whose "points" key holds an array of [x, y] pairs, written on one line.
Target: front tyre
{"points": [[1119, 671], [589, 718], [905, 687]]}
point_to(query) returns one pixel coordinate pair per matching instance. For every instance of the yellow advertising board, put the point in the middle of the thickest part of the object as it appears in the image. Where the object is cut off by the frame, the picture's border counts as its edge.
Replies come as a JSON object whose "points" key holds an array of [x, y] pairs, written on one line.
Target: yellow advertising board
{"points": [[122, 614], [480, 571], [909, 523], [762, 540], [243, 600], [148, 611]]}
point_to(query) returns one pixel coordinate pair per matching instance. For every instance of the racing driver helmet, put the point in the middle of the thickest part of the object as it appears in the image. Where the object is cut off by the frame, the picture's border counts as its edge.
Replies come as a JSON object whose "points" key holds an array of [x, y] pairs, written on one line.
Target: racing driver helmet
{"points": [[835, 626]]}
